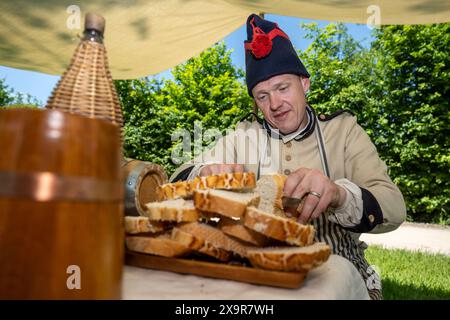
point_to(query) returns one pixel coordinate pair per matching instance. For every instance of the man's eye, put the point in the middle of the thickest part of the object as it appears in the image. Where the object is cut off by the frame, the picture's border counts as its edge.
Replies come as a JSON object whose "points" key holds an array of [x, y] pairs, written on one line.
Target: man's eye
{"points": [[283, 89], [262, 98]]}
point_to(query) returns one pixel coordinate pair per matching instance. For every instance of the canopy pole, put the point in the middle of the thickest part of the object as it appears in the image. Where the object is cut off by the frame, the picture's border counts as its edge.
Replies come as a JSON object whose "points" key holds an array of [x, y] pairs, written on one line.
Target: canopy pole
{"points": [[255, 107]]}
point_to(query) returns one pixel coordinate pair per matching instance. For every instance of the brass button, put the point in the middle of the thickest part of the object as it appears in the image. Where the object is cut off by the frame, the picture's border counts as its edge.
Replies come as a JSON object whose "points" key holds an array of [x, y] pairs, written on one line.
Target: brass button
{"points": [[288, 158], [371, 218], [287, 172], [289, 144]]}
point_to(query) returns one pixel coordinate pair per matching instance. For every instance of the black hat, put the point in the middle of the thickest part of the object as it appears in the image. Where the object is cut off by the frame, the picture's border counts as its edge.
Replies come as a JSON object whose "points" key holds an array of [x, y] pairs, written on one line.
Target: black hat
{"points": [[268, 52]]}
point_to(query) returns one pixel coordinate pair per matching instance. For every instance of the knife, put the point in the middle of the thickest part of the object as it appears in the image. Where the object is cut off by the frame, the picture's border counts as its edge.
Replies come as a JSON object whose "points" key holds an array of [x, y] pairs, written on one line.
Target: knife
{"points": [[292, 206]]}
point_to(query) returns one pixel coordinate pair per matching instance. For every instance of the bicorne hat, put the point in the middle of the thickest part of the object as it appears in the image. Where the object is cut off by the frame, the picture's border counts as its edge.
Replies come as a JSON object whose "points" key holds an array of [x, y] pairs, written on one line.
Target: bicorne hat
{"points": [[268, 52]]}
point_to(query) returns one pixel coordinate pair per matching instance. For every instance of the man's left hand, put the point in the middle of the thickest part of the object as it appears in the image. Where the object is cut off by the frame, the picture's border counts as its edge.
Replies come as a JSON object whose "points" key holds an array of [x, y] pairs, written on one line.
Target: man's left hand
{"points": [[319, 190]]}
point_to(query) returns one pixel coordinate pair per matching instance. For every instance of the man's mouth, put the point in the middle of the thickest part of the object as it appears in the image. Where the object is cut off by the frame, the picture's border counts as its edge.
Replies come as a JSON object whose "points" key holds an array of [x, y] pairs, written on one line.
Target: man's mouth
{"points": [[280, 115]]}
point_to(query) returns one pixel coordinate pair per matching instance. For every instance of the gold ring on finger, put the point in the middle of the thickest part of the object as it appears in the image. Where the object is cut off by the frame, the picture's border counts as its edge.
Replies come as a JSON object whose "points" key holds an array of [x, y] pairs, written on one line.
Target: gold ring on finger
{"points": [[316, 194]]}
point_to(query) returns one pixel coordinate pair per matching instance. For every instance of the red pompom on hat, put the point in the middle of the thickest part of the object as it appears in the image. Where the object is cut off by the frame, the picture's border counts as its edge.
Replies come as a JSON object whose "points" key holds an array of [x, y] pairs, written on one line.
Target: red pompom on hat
{"points": [[261, 44]]}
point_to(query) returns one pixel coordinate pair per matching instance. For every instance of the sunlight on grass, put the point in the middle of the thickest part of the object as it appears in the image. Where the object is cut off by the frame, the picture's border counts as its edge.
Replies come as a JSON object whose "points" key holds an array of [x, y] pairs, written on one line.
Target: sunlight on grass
{"points": [[411, 275]]}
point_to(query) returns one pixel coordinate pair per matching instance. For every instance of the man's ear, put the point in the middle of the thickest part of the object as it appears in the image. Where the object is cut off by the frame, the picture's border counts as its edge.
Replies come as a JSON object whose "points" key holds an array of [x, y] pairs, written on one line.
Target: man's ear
{"points": [[305, 84], [255, 107]]}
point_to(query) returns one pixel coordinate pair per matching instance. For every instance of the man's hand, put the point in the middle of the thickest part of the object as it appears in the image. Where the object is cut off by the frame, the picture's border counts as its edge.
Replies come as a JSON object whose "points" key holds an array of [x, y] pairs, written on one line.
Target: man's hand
{"points": [[211, 169], [319, 190]]}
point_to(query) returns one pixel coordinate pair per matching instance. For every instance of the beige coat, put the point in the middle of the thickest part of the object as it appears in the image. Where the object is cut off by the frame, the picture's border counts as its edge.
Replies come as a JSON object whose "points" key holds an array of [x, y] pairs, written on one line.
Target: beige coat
{"points": [[349, 150]]}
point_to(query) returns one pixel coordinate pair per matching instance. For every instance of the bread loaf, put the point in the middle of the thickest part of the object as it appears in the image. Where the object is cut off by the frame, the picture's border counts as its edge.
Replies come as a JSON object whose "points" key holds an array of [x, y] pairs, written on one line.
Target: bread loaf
{"points": [[135, 225], [178, 210], [215, 237], [283, 229], [236, 229], [227, 203], [270, 188], [289, 258], [225, 181], [161, 245], [197, 243]]}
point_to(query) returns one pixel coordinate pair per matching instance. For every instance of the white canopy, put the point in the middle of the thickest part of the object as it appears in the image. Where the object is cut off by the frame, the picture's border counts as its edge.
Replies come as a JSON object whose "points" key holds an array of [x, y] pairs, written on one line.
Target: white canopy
{"points": [[149, 36]]}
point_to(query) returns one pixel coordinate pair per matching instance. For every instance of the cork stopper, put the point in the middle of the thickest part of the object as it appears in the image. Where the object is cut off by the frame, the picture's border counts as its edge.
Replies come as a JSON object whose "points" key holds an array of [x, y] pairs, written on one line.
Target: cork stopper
{"points": [[94, 21]]}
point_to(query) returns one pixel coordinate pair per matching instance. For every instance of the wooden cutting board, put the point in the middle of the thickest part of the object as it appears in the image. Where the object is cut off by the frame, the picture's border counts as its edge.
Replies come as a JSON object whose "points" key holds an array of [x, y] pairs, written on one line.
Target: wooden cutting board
{"points": [[290, 280]]}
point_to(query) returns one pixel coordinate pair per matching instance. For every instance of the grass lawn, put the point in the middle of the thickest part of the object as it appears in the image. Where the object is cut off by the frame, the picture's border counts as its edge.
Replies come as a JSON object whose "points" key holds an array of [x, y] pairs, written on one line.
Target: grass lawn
{"points": [[411, 275]]}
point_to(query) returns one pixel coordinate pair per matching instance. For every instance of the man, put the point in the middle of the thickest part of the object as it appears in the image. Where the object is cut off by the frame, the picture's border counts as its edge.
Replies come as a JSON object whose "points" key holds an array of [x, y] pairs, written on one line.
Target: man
{"points": [[329, 160]]}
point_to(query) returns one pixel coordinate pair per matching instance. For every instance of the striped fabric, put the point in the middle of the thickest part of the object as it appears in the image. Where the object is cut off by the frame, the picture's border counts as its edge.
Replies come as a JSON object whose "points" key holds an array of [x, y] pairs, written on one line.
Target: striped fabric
{"points": [[343, 244]]}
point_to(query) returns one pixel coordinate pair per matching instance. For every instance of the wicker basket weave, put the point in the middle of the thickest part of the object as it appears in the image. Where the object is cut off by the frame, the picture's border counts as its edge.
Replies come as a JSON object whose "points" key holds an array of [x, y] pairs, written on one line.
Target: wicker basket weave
{"points": [[86, 87]]}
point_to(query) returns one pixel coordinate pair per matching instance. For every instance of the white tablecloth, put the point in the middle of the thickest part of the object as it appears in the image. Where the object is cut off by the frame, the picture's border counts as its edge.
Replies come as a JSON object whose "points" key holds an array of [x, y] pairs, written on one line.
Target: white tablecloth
{"points": [[336, 279]]}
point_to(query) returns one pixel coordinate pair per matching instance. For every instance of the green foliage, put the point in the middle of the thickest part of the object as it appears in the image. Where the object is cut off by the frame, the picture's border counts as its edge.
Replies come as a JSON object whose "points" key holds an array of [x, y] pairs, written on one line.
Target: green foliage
{"points": [[399, 90], [410, 275], [414, 62], [147, 125], [206, 89], [9, 98], [6, 94]]}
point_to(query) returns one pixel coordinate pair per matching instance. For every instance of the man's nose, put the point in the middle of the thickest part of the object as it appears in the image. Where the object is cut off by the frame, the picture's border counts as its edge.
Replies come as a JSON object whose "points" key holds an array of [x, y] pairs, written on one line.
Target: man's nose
{"points": [[275, 101]]}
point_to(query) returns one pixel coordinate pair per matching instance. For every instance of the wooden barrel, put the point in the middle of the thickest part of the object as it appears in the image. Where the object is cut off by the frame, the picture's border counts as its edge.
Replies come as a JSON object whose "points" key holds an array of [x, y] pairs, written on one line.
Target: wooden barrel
{"points": [[141, 180], [61, 206]]}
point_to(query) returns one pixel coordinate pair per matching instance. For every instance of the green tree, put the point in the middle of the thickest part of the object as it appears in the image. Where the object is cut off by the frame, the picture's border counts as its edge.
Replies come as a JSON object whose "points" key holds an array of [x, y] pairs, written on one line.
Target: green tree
{"points": [[414, 87], [6, 94], [342, 74], [148, 124], [207, 89], [10, 98]]}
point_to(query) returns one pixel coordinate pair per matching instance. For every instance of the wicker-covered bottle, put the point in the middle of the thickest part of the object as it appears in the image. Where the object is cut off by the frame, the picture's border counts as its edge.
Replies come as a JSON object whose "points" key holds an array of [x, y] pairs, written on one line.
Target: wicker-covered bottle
{"points": [[87, 87]]}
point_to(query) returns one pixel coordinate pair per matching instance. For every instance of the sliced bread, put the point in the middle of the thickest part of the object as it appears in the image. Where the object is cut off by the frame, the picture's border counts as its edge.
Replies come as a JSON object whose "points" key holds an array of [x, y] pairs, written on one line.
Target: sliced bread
{"points": [[236, 229], [270, 188], [227, 203], [225, 181], [210, 216], [214, 236], [178, 210], [175, 190], [135, 225], [283, 229], [199, 244], [161, 245], [289, 258]]}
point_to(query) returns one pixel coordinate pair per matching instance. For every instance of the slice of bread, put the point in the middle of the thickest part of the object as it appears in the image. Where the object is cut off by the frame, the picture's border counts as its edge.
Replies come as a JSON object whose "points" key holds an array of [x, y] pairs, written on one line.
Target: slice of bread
{"points": [[178, 210], [161, 245], [210, 216], [270, 188], [199, 244], [225, 181], [279, 228], [135, 225], [214, 236], [175, 190], [236, 229], [227, 203], [289, 258]]}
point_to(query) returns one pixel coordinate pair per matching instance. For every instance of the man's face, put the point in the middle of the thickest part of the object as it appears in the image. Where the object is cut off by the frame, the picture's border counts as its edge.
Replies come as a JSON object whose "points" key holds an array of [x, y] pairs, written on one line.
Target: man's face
{"points": [[282, 101]]}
